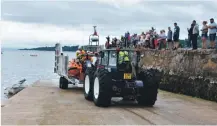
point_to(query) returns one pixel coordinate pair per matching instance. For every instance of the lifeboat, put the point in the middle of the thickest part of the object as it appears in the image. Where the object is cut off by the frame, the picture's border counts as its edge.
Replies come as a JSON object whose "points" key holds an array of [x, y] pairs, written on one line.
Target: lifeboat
{"points": [[75, 69]]}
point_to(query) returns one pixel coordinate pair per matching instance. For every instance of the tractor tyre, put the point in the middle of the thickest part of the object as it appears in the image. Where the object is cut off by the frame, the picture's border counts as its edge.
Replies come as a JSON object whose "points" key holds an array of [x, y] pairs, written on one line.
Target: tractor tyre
{"points": [[102, 89], [149, 91], [63, 83], [88, 84]]}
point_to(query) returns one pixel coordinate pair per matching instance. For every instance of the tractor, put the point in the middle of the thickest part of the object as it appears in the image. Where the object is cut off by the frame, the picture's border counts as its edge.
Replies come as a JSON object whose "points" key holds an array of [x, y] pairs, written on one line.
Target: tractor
{"points": [[109, 78]]}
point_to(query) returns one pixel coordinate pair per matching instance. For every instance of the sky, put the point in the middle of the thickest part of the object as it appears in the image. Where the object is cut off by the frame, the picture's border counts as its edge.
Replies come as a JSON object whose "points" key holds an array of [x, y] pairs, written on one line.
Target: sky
{"points": [[28, 23]]}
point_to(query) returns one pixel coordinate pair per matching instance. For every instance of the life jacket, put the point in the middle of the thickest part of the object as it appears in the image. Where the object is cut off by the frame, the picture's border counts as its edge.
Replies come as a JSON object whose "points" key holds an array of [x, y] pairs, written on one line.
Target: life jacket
{"points": [[123, 56]]}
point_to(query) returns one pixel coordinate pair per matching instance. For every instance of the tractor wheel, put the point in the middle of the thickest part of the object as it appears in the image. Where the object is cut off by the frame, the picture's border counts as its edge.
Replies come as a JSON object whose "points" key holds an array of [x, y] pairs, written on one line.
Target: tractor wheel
{"points": [[102, 89], [63, 83], [88, 84], [148, 93]]}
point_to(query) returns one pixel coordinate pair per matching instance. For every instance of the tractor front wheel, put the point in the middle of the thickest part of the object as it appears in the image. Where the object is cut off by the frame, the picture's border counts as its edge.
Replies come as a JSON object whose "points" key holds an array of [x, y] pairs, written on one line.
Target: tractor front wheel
{"points": [[102, 89], [88, 84]]}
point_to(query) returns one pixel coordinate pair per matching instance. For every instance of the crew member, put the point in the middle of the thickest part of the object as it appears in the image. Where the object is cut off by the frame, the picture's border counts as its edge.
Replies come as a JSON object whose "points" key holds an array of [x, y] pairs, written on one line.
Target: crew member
{"points": [[123, 56]]}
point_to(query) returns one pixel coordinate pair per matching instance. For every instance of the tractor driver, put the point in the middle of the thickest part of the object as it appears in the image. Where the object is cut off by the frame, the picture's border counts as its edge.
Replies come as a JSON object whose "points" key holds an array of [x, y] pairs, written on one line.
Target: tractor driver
{"points": [[123, 57]]}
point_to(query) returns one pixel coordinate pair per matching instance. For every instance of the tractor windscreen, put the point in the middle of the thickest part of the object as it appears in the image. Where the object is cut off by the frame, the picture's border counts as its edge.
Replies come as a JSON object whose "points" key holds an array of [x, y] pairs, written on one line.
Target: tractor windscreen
{"points": [[123, 57], [113, 58]]}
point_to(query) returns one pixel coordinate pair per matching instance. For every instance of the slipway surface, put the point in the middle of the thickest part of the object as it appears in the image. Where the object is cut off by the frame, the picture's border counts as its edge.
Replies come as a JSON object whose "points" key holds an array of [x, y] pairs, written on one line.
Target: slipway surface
{"points": [[44, 103]]}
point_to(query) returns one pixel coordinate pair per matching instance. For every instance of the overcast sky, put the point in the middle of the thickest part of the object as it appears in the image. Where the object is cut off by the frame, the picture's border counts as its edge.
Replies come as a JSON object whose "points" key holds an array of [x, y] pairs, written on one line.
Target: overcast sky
{"points": [[43, 23]]}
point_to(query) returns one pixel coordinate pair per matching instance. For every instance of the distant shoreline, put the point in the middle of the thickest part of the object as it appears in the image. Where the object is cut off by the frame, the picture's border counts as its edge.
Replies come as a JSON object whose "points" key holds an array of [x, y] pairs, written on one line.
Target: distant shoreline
{"points": [[42, 50], [65, 48]]}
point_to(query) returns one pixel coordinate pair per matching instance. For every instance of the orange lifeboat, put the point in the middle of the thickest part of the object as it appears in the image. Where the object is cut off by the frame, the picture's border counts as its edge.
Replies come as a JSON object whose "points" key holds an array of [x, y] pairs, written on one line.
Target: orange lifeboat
{"points": [[75, 69]]}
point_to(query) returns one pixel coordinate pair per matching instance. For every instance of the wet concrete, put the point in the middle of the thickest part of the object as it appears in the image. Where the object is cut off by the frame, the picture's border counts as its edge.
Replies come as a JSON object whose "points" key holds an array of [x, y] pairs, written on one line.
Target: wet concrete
{"points": [[44, 103]]}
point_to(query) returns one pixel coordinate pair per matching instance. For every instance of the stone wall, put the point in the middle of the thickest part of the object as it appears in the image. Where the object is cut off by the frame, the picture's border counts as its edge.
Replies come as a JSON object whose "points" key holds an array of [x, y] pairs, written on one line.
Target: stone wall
{"points": [[190, 72]]}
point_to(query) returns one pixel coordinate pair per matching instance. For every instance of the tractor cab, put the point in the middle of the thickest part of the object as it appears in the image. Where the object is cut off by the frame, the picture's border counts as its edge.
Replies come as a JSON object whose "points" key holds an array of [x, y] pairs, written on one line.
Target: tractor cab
{"points": [[120, 62]]}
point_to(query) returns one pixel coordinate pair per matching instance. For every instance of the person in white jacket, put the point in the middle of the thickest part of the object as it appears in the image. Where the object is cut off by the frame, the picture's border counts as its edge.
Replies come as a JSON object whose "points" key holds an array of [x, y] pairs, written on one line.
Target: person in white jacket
{"points": [[161, 39]]}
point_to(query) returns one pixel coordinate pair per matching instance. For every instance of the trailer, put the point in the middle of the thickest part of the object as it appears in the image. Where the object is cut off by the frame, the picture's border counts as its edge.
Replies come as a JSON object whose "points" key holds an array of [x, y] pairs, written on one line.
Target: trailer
{"points": [[61, 65]]}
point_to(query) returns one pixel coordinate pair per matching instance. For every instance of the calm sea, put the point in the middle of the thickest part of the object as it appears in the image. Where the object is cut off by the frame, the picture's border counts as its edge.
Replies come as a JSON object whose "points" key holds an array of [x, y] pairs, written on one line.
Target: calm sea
{"points": [[17, 65]]}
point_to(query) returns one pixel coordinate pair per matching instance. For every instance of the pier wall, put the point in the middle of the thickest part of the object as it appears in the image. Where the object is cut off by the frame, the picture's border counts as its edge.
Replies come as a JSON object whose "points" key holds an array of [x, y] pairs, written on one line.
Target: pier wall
{"points": [[189, 72]]}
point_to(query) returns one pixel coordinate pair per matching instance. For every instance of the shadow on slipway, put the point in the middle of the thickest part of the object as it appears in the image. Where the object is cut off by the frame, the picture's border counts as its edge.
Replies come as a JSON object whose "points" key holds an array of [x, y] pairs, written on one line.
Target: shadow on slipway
{"points": [[115, 103]]}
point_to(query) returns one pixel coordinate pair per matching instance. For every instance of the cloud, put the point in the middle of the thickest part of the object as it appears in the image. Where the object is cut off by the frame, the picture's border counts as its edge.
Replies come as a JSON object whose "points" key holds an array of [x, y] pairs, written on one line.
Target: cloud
{"points": [[30, 33], [121, 3]]}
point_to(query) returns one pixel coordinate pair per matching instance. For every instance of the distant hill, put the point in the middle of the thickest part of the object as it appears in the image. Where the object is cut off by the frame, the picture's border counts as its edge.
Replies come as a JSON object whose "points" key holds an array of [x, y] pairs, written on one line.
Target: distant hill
{"points": [[65, 48]]}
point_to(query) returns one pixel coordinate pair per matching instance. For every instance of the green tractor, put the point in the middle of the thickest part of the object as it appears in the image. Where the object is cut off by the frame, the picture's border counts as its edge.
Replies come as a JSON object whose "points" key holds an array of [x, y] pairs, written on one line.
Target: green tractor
{"points": [[109, 77]]}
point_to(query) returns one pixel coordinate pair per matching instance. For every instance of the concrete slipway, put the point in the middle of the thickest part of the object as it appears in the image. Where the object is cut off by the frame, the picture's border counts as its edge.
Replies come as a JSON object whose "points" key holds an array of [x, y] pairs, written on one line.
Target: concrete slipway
{"points": [[44, 103]]}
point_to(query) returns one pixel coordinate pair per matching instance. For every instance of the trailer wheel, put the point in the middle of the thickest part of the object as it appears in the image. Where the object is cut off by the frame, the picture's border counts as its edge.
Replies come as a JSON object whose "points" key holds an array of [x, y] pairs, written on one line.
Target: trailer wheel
{"points": [[60, 82], [102, 89], [63, 83], [148, 93], [88, 84]]}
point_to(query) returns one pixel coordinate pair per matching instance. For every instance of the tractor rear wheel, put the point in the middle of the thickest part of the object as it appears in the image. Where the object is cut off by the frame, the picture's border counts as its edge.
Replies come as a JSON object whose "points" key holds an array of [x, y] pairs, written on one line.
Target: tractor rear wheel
{"points": [[102, 89], [88, 84], [149, 91]]}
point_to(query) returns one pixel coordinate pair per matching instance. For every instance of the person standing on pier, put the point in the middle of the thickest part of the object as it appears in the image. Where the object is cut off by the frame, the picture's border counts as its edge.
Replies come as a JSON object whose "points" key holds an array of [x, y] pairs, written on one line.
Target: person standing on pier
{"points": [[176, 36], [195, 35], [127, 36], [190, 36], [169, 38], [212, 32], [204, 34]]}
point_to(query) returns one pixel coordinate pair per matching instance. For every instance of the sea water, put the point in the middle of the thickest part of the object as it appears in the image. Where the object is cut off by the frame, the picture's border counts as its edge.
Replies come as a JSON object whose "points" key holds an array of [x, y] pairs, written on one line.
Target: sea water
{"points": [[31, 65]]}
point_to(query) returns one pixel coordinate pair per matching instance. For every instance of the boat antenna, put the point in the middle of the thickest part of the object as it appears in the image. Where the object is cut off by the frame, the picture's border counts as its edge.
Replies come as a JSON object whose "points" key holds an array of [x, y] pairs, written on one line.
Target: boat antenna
{"points": [[95, 33]]}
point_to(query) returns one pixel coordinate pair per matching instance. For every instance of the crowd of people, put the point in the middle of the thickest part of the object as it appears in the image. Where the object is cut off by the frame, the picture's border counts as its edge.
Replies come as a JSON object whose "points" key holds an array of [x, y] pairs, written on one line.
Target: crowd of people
{"points": [[193, 34], [151, 39]]}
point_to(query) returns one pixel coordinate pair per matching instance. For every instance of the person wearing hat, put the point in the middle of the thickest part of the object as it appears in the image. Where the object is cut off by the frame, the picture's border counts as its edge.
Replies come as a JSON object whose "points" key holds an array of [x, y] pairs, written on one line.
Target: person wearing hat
{"points": [[212, 32]]}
